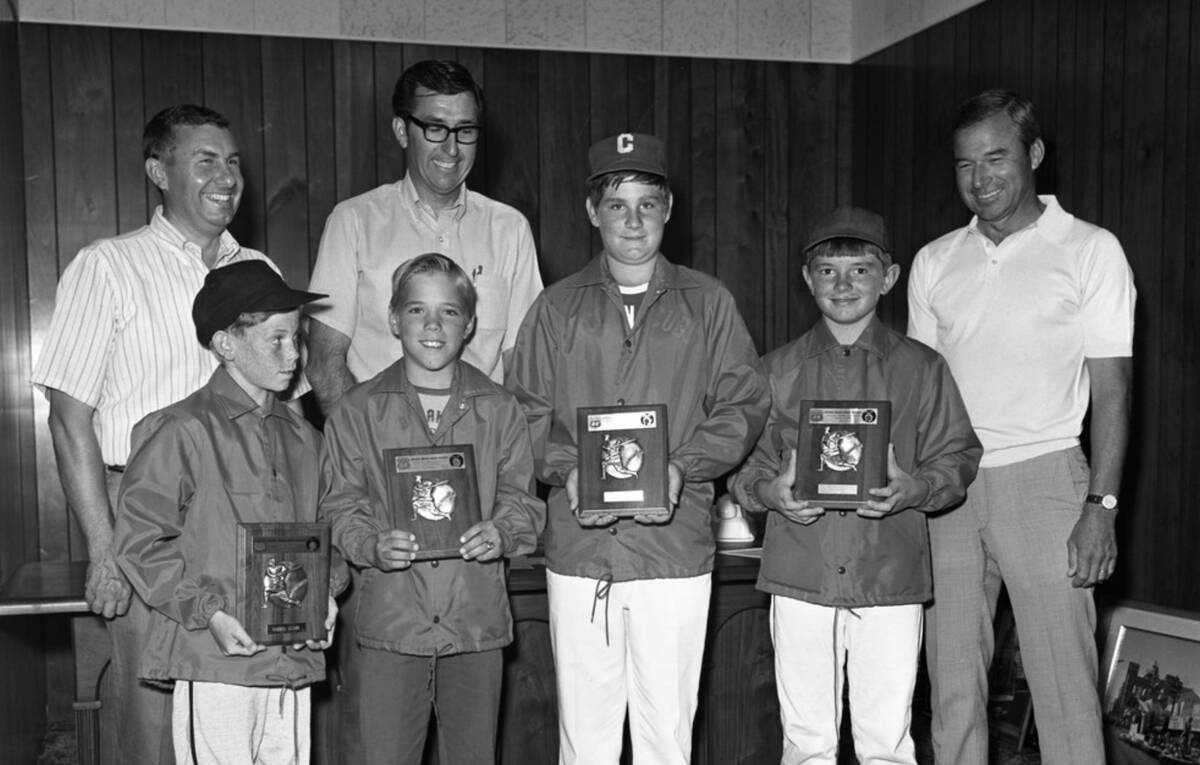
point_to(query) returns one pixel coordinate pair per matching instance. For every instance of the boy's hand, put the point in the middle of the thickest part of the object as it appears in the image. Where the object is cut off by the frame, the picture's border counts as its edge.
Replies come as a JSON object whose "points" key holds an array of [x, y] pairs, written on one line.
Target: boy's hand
{"points": [[482, 542], [674, 488], [572, 487], [330, 624], [393, 550], [231, 637], [778, 494], [107, 592], [902, 492]]}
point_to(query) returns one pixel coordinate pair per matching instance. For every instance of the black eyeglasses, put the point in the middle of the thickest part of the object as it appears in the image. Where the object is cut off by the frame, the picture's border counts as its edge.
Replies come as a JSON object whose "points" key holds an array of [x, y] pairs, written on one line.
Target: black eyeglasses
{"points": [[435, 133]]}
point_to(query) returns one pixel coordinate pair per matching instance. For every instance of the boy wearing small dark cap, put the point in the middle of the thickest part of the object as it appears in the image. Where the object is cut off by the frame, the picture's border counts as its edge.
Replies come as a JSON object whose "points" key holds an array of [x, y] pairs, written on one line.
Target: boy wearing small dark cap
{"points": [[231, 452], [847, 588], [629, 598]]}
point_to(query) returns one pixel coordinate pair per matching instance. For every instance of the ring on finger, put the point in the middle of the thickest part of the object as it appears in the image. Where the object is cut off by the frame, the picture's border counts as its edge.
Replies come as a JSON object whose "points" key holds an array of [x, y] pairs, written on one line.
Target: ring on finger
{"points": [[490, 544]]}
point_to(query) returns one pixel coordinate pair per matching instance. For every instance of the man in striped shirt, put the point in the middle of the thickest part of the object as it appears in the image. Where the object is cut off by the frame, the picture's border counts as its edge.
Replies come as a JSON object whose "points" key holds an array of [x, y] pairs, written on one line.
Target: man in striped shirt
{"points": [[121, 345]]}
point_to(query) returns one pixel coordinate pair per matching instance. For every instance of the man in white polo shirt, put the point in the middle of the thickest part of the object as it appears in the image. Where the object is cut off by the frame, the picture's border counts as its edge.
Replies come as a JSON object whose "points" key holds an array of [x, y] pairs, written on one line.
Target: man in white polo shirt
{"points": [[121, 345], [1033, 309]]}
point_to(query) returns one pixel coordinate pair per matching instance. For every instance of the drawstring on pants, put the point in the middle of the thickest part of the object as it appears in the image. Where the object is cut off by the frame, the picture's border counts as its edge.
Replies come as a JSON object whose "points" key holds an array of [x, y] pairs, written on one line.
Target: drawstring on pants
{"points": [[603, 585]]}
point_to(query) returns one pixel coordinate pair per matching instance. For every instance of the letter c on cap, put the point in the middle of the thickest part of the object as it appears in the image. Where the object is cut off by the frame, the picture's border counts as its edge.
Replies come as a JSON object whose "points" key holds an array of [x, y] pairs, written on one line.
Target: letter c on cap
{"points": [[625, 143]]}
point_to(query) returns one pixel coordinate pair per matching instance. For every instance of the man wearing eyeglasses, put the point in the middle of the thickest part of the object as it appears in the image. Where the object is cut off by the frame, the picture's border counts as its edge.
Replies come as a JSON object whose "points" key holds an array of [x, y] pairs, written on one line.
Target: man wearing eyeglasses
{"points": [[438, 122]]}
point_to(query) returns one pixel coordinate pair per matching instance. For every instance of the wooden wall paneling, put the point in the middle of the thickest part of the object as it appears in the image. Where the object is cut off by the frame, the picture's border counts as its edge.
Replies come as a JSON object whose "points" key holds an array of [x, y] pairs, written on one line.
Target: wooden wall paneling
{"points": [[702, 253], [1113, 116], [776, 196], [564, 233], [514, 136], [985, 48], [1043, 86], [233, 86], [1154, 458], [391, 59], [815, 141], [354, 117], [1065, 97], [847, 124], [320, 143], [898, 209], [1017, 44], [128, 121], [472, 59], [1091, 114], [641, 95], [673, 123], [173, 73], [85, 189], [1180, 231], [739, 189], [285, 156], [608, 90]]}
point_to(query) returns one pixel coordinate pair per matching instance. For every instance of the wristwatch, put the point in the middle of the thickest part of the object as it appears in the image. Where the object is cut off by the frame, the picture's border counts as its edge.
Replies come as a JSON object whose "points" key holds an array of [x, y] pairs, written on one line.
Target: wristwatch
{"points": [[1107, 501]]}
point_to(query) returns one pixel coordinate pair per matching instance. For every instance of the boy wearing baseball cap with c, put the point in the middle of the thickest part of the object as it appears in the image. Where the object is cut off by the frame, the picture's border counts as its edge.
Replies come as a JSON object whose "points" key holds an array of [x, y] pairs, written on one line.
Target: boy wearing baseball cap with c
{"points": [[231, 452], [629, 598], [848, 587]]}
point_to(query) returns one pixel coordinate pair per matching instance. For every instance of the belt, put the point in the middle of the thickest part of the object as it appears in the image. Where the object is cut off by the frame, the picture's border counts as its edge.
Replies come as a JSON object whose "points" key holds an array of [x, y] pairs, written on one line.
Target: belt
{"points": [[115, 468]]}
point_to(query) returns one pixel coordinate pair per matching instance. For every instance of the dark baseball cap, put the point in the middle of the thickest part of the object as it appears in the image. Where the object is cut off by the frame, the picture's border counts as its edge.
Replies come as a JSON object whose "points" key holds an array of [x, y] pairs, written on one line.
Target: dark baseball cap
{"points": [[247, 286], [848, 222], [635, 152]]}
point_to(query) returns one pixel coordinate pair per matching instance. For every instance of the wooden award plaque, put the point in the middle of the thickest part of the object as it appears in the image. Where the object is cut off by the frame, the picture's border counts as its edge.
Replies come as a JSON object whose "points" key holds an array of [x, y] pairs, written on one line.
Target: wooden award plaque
{"points": [[842, 452], [622, 460], [434, 493], [283, 581]]}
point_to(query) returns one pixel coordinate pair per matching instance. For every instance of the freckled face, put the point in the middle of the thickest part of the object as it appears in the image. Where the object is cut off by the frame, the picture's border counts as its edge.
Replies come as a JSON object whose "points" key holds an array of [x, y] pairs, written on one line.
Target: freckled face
{"points": [[432, 325], [265, 355], [848, 287]]}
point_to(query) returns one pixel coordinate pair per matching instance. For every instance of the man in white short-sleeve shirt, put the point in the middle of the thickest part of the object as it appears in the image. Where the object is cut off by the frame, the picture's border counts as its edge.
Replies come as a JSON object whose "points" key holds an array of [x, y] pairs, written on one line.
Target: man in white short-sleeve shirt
{"points": [[1033, 310], [121, 345], [438, 122]]}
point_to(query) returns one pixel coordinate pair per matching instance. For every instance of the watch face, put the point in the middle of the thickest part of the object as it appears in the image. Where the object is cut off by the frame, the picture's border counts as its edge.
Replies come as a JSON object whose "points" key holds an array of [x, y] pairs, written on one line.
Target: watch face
{"points": [[1108, 502]]}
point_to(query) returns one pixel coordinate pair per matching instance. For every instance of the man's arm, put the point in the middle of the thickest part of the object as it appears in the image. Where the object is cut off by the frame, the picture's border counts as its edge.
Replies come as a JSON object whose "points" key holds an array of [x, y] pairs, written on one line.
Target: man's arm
{"points": [[81, 471], [1092, 548], [327, 370]]}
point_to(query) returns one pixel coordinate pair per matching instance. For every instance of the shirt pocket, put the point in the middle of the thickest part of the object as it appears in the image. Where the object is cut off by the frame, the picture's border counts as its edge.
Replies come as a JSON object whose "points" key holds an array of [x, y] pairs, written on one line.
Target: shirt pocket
{"points": [[491, 312]]}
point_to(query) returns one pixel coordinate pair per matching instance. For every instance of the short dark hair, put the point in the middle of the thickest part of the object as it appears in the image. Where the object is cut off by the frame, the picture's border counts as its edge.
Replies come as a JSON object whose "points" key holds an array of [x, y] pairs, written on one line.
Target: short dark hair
{"points": [[159, 136], [846, 247], [441, 76], [978, 108], [433, 263], [602, 183]]}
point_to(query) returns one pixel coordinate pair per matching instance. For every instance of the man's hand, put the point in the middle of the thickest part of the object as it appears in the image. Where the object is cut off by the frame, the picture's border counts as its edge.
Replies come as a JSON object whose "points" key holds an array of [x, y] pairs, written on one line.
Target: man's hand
{"points": [[392, 550], [1092, 547], [572, 487], [674, 489], [778, 494], [330, 624], [231, 637], [482, 542], [107, 592], [902, 492]]}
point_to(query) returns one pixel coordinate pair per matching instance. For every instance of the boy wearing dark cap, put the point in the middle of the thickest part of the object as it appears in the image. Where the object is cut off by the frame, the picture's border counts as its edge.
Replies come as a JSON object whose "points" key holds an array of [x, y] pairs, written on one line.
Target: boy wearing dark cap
{"points": [[231, 452], [629, 598], [847, 587]]}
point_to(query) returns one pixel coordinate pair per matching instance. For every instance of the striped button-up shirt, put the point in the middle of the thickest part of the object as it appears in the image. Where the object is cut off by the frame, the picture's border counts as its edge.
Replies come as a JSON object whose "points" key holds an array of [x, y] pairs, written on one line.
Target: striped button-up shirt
{"points": [[122, 338]]}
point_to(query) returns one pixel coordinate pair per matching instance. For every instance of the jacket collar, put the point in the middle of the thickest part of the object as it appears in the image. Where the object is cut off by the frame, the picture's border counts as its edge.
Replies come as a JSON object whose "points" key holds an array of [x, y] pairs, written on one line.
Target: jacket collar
{"points": [[874, 339], [667, 275], [235, 402], [468, 381]]}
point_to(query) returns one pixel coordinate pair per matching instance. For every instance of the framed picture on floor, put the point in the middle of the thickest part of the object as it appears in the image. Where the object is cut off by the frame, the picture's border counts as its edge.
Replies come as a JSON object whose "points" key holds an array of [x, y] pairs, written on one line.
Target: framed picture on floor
{"points": [[1150, 673]]}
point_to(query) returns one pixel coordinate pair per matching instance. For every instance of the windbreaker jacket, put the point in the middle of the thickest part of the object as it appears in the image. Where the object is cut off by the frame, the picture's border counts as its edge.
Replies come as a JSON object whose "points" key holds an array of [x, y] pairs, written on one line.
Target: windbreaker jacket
{"points": [[436, 607], [197, 469], [689, 349], [843, 559]]}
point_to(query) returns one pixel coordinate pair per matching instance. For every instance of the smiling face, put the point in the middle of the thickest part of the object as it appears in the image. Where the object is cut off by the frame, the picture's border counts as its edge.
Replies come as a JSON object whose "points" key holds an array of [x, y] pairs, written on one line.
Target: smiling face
{"points": [[262, 357], [432, 324], [201, 181], [631, 218], [994, 173], [847, 288], [438, 170]]}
